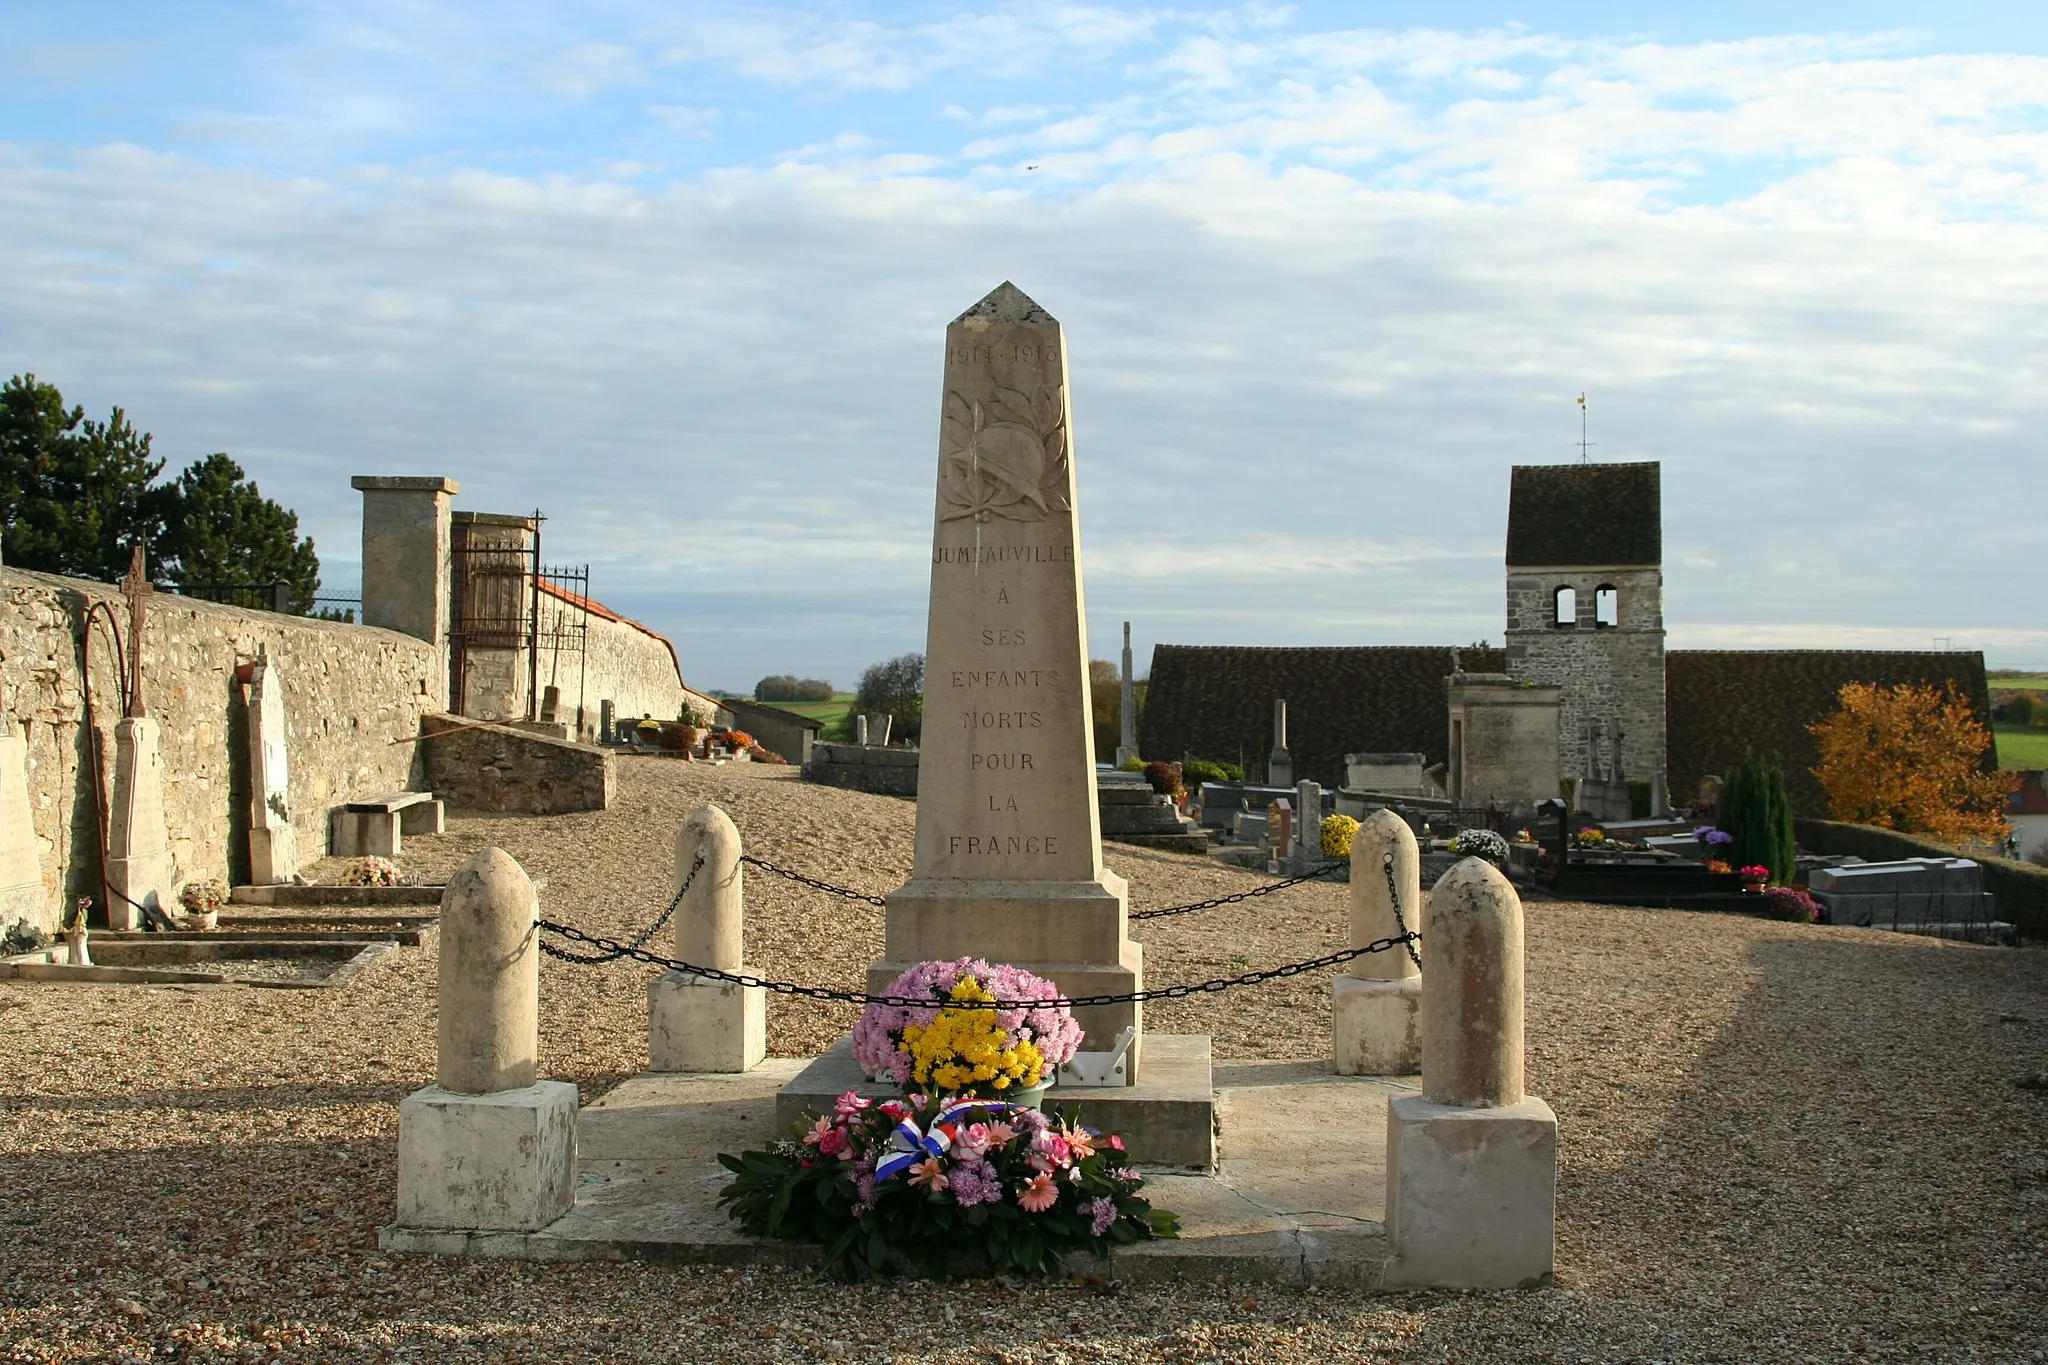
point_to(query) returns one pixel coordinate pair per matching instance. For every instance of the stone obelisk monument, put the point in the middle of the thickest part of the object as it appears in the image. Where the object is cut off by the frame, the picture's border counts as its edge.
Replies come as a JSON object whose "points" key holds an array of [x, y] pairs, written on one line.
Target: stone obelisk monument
{"points": [[1009, 845]]}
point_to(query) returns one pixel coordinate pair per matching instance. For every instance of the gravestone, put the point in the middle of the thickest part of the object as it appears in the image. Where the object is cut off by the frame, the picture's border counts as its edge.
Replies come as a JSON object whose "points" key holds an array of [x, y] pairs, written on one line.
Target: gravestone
{"points": [[860, 730], [1127, 739], [22, 897], [273, 846], [139, 873], [1009, 852], [1279, 763]]}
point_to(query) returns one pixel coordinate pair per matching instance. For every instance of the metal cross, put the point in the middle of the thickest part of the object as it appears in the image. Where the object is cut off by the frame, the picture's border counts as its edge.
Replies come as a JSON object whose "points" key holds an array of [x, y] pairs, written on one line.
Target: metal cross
{"points": [[136, 587]]}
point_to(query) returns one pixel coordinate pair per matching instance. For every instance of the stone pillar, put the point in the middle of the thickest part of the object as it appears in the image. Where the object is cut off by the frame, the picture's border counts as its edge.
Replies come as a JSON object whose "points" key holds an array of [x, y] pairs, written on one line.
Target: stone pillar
{"points": [[488, 1146], [1127, 713], [860, 730], [138, 845], [1279, 763], [1009, 841], [698, 1023], [607, 722], [406, 560], [273, 844], [1472, 1160], [1375, 1016]]}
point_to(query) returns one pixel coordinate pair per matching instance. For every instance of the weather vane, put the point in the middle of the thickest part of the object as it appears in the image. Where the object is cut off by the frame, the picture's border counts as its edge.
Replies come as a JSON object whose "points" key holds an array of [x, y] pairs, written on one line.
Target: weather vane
{"points": [[1584, 444]]}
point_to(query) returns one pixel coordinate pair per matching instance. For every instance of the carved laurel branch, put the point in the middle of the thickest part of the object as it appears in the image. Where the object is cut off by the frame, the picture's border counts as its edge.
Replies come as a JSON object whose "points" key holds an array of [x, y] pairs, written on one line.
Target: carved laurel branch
{"points": [[1006, 457]]}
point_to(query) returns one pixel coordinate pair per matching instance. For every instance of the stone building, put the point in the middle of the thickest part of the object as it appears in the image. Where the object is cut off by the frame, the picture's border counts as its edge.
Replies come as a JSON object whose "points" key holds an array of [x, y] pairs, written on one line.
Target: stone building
{"points": [[1585, 644], [1585, 614]]}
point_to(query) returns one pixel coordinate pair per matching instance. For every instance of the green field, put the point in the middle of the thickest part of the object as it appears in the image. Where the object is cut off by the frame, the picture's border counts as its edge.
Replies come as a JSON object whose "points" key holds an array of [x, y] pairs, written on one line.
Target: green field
{"points": [[2020, 746], [2023, 682], [836, 713]]}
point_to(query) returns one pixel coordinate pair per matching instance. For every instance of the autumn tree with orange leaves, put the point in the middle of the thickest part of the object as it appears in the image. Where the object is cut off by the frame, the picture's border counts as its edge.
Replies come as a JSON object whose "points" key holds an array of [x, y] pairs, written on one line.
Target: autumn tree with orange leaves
{"points": [[1909, 758]]}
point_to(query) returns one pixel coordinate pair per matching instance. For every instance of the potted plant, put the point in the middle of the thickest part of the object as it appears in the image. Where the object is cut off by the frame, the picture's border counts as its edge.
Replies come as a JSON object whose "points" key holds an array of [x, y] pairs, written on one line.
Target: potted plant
{"points": [[1755, 877], [961, 1044], [202, 900]]}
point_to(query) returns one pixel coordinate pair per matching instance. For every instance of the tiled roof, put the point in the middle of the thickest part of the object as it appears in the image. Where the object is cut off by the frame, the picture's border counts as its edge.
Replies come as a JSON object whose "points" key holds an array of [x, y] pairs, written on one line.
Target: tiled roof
{"points": [[1721, 703], [1216, 702], [1584, 514], [603, 612]]}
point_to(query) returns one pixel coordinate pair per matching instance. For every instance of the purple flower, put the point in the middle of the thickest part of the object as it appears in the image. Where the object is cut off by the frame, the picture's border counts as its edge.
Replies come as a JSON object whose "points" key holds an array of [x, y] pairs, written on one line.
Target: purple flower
{"points": [[1104, 1210], [976, 1182]]}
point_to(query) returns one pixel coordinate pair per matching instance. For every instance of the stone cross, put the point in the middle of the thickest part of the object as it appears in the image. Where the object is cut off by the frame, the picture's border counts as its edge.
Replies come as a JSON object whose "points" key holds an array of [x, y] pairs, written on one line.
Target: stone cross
{"points": [[137, 588], [1009, 849], [1127, 742]]}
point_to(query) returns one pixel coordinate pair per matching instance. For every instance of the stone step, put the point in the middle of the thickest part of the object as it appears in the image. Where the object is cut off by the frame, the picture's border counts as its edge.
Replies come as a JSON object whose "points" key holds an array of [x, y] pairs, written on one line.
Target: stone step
{"points": [[287, 896]]}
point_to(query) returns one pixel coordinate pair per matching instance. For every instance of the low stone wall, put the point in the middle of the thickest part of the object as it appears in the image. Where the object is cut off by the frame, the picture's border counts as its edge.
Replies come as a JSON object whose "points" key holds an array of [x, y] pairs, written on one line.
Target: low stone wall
{"points": [[502, 770], [349, 691], [864, 768], [2019, 890]]}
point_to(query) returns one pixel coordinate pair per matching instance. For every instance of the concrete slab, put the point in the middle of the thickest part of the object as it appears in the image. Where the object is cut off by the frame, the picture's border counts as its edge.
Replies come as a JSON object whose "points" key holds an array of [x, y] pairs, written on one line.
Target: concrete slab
{"points": [[1296, 1197], [1168, 1118]]}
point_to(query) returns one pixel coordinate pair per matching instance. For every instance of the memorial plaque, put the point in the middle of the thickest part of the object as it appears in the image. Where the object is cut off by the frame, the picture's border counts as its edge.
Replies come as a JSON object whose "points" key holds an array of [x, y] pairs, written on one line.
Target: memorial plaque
{"points": [[1009, 851]]}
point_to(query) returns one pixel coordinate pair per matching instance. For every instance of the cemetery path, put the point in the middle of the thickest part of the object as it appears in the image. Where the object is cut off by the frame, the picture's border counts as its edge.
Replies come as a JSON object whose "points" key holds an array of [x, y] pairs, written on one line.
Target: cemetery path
{"points": [[1777, 1142]]}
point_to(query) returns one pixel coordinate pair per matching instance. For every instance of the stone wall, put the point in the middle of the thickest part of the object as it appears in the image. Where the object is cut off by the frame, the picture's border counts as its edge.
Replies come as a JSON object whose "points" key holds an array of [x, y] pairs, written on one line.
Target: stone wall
{"points": [[348, 692], [1612, 676], [624, 663], [864, 768], [502, 770]]}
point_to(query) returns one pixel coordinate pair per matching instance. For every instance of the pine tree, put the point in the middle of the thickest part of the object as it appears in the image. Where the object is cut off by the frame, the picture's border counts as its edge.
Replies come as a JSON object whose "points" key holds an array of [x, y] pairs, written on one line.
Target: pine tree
{"points": [[1756, 807], [223, 531], [75, 495]]}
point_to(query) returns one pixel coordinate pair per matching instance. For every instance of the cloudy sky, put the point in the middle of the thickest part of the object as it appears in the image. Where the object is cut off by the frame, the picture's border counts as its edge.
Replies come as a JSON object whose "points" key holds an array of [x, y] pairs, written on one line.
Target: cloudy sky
{"points": [[678, 275]]}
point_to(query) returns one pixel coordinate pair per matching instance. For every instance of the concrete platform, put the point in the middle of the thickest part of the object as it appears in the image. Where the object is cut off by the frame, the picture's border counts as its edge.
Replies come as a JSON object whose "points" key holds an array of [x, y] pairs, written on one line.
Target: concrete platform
{"points": [[1296, 1197], [1168, 1119]]}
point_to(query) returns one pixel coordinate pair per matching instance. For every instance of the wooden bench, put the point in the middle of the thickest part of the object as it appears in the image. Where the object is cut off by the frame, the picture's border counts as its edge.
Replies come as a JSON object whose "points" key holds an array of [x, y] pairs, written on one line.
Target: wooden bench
{"points": [[377, 825]]}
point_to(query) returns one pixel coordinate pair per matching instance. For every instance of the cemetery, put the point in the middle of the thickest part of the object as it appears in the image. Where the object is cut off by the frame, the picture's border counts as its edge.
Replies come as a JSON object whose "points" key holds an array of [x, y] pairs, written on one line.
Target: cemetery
{"points": [[640, 1043]]}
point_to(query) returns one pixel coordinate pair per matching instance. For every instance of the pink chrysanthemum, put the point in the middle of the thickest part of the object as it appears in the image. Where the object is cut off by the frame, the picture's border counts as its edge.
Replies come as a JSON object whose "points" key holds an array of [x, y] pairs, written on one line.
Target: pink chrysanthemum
{"points": [[877, 1038]]}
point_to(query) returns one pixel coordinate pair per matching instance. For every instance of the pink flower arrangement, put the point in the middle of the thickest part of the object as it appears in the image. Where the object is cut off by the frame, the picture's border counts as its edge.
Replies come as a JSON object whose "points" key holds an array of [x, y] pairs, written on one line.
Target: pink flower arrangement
{"points": [[919, 1180], [878, 1038], [1755, 872]]}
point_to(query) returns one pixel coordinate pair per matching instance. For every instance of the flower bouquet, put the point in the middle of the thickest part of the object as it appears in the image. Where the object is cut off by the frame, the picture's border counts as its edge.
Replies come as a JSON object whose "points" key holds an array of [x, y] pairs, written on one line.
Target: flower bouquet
{"points": [[1754, 877], [370, 871], [961, 1043], [1483, 844], [940, 1186]]}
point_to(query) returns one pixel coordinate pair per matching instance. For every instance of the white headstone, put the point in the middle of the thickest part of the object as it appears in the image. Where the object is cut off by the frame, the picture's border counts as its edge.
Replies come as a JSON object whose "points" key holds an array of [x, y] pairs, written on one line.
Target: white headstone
{"points": [[22, 896], [1009, 852], [273, 846]]}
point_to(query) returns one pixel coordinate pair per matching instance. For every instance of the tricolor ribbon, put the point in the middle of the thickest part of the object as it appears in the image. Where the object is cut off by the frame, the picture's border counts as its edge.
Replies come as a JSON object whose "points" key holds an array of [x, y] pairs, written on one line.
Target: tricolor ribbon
{"points": [[909, 1145]]}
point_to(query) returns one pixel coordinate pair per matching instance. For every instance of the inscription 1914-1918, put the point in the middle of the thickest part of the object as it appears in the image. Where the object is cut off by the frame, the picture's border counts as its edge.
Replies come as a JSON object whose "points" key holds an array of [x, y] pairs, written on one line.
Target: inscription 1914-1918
{"points": [[1004, 353]]}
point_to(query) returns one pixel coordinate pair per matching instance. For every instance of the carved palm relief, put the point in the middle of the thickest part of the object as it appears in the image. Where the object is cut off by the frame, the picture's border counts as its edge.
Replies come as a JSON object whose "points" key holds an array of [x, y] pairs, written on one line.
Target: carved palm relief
{"points": [[1005, 458]]}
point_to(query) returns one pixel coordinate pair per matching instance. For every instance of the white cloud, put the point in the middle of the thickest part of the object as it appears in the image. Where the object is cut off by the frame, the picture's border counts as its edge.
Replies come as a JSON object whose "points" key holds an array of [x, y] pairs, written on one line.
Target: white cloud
{"points": [[1317, 301]]}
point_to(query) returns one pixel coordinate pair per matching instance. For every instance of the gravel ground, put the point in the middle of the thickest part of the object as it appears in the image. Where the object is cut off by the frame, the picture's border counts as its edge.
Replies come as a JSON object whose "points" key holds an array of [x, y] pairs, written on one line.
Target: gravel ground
{"points": [[1778, 1143]]}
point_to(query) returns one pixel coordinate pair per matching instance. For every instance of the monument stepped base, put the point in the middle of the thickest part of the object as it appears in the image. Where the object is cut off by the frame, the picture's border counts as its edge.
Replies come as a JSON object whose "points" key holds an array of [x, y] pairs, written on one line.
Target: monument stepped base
{"points": [[1167, 1119], [1297, 1196]]}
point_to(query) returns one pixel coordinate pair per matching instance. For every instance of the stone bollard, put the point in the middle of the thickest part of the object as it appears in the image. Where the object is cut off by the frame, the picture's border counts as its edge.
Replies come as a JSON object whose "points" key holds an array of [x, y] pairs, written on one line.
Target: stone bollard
{"points": [[696, 1023], [488, 1146], [1472, 1161], [1375, 1005]]}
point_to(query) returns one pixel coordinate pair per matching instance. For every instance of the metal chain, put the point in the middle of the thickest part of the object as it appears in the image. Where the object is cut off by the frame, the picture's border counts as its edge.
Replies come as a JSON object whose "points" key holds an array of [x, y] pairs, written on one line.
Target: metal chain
{"points": [[612, 950], [1330, 870], [827, 887], [866, 899], [640, 941], [1401, 920]]}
